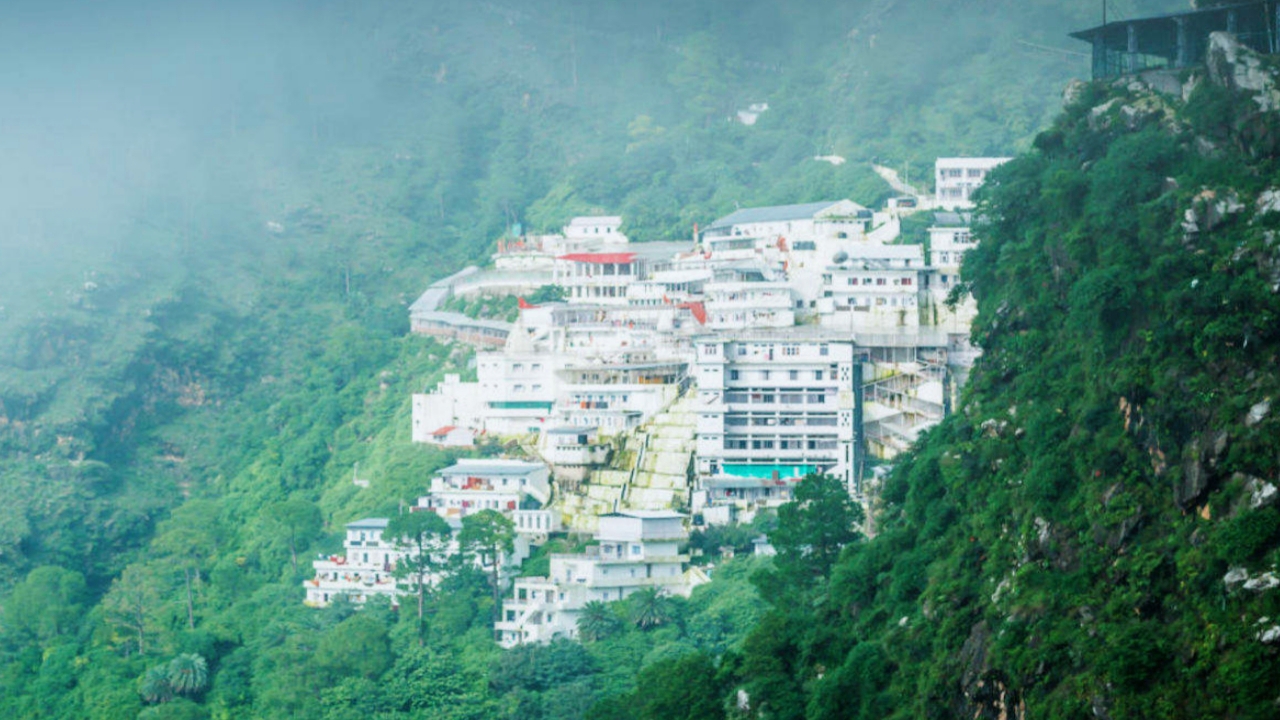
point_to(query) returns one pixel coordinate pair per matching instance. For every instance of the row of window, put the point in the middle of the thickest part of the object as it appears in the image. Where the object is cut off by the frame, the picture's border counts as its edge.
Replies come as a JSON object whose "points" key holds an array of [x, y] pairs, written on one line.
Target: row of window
{"points": [[784, 421], [951, 173], [778, 374], [852, 281], [786, 398], [776, 443]]}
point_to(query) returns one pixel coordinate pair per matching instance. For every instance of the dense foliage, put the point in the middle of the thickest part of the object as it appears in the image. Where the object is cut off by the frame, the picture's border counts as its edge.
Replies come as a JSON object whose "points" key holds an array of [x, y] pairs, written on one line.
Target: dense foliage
{"points": [[1091, 535], [189, 383]]}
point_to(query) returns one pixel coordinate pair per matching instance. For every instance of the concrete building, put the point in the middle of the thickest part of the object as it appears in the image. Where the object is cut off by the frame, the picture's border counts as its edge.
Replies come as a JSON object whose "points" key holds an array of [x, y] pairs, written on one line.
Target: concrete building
{"points": [[775, 408], [875, 287], [363, 572], [636, 550], [751, 228], [472, 485], [955, 179]]}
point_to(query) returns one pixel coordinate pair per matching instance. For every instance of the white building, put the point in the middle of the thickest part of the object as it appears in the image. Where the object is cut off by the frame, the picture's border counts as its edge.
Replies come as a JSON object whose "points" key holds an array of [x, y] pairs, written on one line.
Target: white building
{"points": [[452, 403], [747, 305], [752, 228], [950, 239], [472, 485], [874, 287], [518, 489], [573, 451], [595, 230], [365, 570], [775, 408], [955, 179], [636, 550]]}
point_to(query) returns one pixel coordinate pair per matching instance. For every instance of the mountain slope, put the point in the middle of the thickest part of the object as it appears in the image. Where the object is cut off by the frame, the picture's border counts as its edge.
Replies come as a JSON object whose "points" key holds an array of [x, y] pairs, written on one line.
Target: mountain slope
{"points": [[1095, 533]]}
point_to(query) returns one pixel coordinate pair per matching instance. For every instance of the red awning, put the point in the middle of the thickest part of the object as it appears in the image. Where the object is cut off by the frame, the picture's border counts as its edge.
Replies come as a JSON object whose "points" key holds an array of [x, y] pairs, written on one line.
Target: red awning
{"points": [[600, 258], [699, 311], [444, 430]]}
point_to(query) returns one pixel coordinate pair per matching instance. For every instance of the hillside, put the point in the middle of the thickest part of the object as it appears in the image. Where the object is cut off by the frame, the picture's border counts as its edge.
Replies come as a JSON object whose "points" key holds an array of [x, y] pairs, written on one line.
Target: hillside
{"points": [[1095, 533], [202, 307]]}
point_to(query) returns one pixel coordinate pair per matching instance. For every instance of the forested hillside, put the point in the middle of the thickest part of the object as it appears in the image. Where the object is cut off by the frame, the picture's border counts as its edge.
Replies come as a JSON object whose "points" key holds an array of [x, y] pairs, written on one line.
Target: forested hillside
{"points": [[215, 217], [1095, 532]]}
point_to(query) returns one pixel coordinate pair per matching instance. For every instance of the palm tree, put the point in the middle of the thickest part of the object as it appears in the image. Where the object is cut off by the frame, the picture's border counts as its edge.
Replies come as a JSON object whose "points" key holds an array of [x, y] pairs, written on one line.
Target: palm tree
{"points": [[155, 687], [649, 608], [597, 621], [188, 674]]}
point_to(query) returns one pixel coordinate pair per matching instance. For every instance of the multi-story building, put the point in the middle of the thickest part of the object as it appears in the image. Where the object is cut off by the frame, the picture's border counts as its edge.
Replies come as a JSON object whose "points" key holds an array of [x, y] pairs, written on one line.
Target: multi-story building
{"points": [[876, 288], [752, 228], [636, 550], [471, 485], [518, 489], [363, 572], [955, 179], [748, 305], [950, 238], [775, 408], [573, 451]]}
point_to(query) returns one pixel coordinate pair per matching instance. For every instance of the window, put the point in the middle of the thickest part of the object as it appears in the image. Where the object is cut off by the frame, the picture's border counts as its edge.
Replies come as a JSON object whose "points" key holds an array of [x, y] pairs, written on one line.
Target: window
{"points": [[794, 374], [880, 281], [817, 374], [824, 350], [733, 374], [906, 281]]}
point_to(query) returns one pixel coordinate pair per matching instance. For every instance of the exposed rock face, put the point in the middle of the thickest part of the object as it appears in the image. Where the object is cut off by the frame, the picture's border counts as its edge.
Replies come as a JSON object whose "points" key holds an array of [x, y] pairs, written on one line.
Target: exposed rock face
{"points": [[1236, 67], [1200, 460]]}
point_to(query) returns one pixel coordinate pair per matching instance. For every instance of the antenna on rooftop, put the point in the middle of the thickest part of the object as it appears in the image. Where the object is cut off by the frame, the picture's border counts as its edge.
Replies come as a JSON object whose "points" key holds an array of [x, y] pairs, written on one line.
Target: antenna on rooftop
{"points": [[1104, 13]]}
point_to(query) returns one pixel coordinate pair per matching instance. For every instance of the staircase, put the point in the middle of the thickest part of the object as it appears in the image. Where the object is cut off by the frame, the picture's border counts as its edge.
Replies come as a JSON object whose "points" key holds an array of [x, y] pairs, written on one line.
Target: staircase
{"points": [[650, 472], [903, 400]]}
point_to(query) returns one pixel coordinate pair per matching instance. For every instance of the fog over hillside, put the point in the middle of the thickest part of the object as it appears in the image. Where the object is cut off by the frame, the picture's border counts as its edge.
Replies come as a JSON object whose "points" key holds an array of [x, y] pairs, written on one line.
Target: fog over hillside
{"points": [[214, 216]]}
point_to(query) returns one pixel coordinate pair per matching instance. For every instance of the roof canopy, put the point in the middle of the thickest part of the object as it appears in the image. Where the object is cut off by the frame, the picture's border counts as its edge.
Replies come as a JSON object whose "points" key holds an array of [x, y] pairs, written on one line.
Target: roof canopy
{"points": [[776, 213], [1178, 40], [600, 258]]}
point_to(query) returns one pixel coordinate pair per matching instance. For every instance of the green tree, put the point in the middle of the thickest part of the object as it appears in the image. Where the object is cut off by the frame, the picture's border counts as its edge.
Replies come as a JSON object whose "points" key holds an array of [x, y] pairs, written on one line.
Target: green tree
{"points": [[685, 688], [597, 621], [358, 645], [154, 686], [491, 537], [424, 536], [46, 604], [812, 531], [188, 674], [133, 604], [300, 520], [190, 539], [649, 608]]}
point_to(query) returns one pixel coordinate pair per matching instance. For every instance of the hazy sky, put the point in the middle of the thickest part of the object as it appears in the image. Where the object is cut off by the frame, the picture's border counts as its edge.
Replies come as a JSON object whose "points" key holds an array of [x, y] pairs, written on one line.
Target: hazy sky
{"points": [[104, 104]]}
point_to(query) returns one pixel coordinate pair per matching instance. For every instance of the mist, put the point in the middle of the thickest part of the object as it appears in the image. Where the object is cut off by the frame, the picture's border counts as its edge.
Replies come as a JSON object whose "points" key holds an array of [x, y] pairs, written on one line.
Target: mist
{"points": [[121, 112]]}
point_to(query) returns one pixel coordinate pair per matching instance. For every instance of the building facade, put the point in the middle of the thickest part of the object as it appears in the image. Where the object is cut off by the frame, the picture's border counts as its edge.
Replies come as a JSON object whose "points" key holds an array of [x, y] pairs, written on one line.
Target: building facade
{"points": [[775, 408]]}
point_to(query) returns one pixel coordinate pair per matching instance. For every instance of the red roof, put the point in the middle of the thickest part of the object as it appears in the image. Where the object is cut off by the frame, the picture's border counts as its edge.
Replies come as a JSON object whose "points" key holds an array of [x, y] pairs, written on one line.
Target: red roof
{"points": [[600, 258], [444, 430]]}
